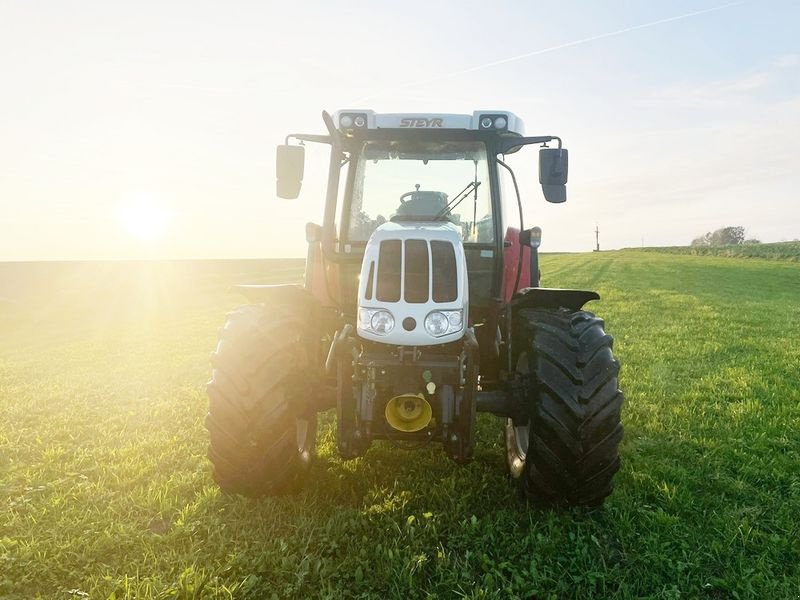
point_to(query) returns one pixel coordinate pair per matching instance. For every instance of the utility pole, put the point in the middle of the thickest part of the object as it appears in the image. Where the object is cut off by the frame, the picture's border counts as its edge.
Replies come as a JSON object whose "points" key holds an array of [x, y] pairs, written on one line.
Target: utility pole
{"points": [[597, 238]]}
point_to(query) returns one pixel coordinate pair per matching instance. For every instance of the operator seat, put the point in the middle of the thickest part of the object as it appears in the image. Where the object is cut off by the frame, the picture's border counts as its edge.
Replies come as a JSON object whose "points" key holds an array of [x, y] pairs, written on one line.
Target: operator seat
{"points": [[421, 205]]}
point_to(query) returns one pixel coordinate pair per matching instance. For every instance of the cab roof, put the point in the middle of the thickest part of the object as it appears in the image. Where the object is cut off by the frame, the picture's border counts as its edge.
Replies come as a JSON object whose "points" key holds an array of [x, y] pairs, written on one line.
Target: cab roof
{"points": [[499, 121]]}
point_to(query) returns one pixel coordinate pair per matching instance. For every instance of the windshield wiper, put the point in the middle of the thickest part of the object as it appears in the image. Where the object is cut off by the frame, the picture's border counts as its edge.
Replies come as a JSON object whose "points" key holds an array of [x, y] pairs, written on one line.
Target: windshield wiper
{"points": [[472, 185]]}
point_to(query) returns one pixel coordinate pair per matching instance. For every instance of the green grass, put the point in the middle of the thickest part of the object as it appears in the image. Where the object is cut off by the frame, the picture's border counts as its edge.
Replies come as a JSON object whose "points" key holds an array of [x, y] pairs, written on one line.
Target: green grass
{"points": [[106, 491]]}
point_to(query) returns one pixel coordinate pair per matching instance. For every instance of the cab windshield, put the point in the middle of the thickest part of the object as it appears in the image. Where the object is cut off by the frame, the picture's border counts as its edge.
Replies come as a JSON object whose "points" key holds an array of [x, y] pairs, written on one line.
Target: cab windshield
{"points": [[419, 181]]}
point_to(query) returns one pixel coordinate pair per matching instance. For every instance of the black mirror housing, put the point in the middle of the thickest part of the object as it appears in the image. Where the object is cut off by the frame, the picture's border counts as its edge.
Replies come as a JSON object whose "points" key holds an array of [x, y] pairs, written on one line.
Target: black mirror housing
{"points": [[289, 166], [553, 170]]}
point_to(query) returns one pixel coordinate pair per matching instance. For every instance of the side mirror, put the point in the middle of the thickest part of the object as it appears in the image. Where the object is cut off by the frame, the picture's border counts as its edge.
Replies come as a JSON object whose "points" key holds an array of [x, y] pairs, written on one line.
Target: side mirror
{"points": [[553, 167], [289, 165]]}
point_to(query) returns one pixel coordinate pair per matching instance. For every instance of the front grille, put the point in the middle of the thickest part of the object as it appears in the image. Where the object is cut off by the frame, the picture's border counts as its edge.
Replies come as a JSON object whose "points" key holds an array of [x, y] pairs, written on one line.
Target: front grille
{"points": [[411, 263]]}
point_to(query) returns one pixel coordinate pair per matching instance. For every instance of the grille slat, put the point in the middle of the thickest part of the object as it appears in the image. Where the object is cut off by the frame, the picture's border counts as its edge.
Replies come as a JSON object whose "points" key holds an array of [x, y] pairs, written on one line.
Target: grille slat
{"points": [[368, 291], [417, 276], [389, 262], [445, 280]]}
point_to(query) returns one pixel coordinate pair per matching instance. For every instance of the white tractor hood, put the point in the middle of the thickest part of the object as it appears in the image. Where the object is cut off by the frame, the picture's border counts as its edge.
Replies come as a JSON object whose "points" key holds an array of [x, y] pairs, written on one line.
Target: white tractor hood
{"points": [[415, 271]]}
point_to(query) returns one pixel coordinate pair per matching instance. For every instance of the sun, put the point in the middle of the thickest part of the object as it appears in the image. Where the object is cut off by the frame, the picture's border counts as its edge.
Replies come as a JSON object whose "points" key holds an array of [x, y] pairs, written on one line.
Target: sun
{"points": [[144, 218]]}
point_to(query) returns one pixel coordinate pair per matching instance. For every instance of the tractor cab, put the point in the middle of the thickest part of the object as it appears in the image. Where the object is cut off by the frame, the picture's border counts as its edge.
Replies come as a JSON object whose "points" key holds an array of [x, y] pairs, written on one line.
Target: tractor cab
{"points": [[407, 168]]}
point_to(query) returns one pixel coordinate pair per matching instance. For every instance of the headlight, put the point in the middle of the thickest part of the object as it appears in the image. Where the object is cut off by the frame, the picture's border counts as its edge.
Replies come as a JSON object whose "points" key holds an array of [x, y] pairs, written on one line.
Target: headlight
{"points": [[436, 323], [442, 322], [378, 321], [382, 322]]}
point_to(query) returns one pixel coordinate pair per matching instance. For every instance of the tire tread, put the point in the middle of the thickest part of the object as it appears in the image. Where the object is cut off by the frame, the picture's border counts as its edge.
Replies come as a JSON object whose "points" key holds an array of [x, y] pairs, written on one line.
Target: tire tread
{"points": [[259, 377], [575, 403]]}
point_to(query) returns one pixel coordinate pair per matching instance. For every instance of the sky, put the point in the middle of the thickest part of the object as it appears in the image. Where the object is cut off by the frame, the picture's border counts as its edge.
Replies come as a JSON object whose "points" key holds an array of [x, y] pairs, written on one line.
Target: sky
{"points": [[148, 129]]}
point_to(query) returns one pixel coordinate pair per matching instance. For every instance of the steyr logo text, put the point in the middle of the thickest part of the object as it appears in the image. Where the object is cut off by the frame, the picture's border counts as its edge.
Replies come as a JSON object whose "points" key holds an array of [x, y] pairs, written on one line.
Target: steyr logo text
{"points": [[407, 122]]}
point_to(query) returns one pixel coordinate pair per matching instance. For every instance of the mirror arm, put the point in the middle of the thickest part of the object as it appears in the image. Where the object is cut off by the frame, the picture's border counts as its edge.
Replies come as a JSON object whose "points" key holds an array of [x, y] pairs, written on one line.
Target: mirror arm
{"points": [[507, 144], [333, 137], [328, 235], [309, 137]]}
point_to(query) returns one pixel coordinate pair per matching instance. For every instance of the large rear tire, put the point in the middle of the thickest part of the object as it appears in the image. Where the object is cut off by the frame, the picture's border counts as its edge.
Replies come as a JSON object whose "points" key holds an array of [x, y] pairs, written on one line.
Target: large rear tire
{"points": [[261, 428], [566, 450]]}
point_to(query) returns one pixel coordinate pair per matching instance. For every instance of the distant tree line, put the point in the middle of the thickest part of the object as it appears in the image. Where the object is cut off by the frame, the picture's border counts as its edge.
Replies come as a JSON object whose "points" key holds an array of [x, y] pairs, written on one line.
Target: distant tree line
{"points": [[726, 236]]}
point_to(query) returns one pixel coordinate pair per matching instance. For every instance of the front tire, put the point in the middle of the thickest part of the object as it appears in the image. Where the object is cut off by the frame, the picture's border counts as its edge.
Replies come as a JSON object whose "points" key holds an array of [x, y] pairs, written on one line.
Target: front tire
{"points": [[262, 431], [565, 450]]}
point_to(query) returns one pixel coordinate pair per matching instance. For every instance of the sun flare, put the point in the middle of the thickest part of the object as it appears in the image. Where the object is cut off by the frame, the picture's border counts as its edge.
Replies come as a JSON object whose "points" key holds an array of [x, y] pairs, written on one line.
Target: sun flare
{"points": [[144, 219]]}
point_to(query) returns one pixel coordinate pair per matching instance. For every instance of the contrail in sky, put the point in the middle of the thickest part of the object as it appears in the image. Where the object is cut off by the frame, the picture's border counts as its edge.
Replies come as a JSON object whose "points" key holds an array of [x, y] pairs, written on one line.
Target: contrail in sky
{"points": [[586, 40]]}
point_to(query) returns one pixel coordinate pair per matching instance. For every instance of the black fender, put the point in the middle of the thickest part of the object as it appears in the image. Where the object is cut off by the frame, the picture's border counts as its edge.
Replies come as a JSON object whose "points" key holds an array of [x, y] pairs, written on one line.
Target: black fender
{"points": [[552, 298]]}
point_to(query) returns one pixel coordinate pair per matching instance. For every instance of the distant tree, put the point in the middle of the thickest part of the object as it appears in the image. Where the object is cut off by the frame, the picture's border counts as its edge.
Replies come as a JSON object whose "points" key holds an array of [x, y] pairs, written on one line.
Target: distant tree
{"points": [[727, 236], [751, 241]]}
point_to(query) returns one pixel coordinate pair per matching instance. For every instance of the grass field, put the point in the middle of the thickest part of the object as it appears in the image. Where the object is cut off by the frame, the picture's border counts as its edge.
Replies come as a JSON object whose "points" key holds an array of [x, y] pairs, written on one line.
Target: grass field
{"points": [[106, 491]]}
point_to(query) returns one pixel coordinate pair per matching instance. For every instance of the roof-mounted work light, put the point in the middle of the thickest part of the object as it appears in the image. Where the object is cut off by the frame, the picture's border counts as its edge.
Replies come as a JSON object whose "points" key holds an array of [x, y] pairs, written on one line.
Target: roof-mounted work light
{"points": [[350, 122], [494, 122]]}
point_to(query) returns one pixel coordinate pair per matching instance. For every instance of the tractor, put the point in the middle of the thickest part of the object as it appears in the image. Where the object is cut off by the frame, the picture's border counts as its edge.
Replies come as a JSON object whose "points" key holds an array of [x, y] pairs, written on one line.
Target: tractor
{"points": [[421, 306]]}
